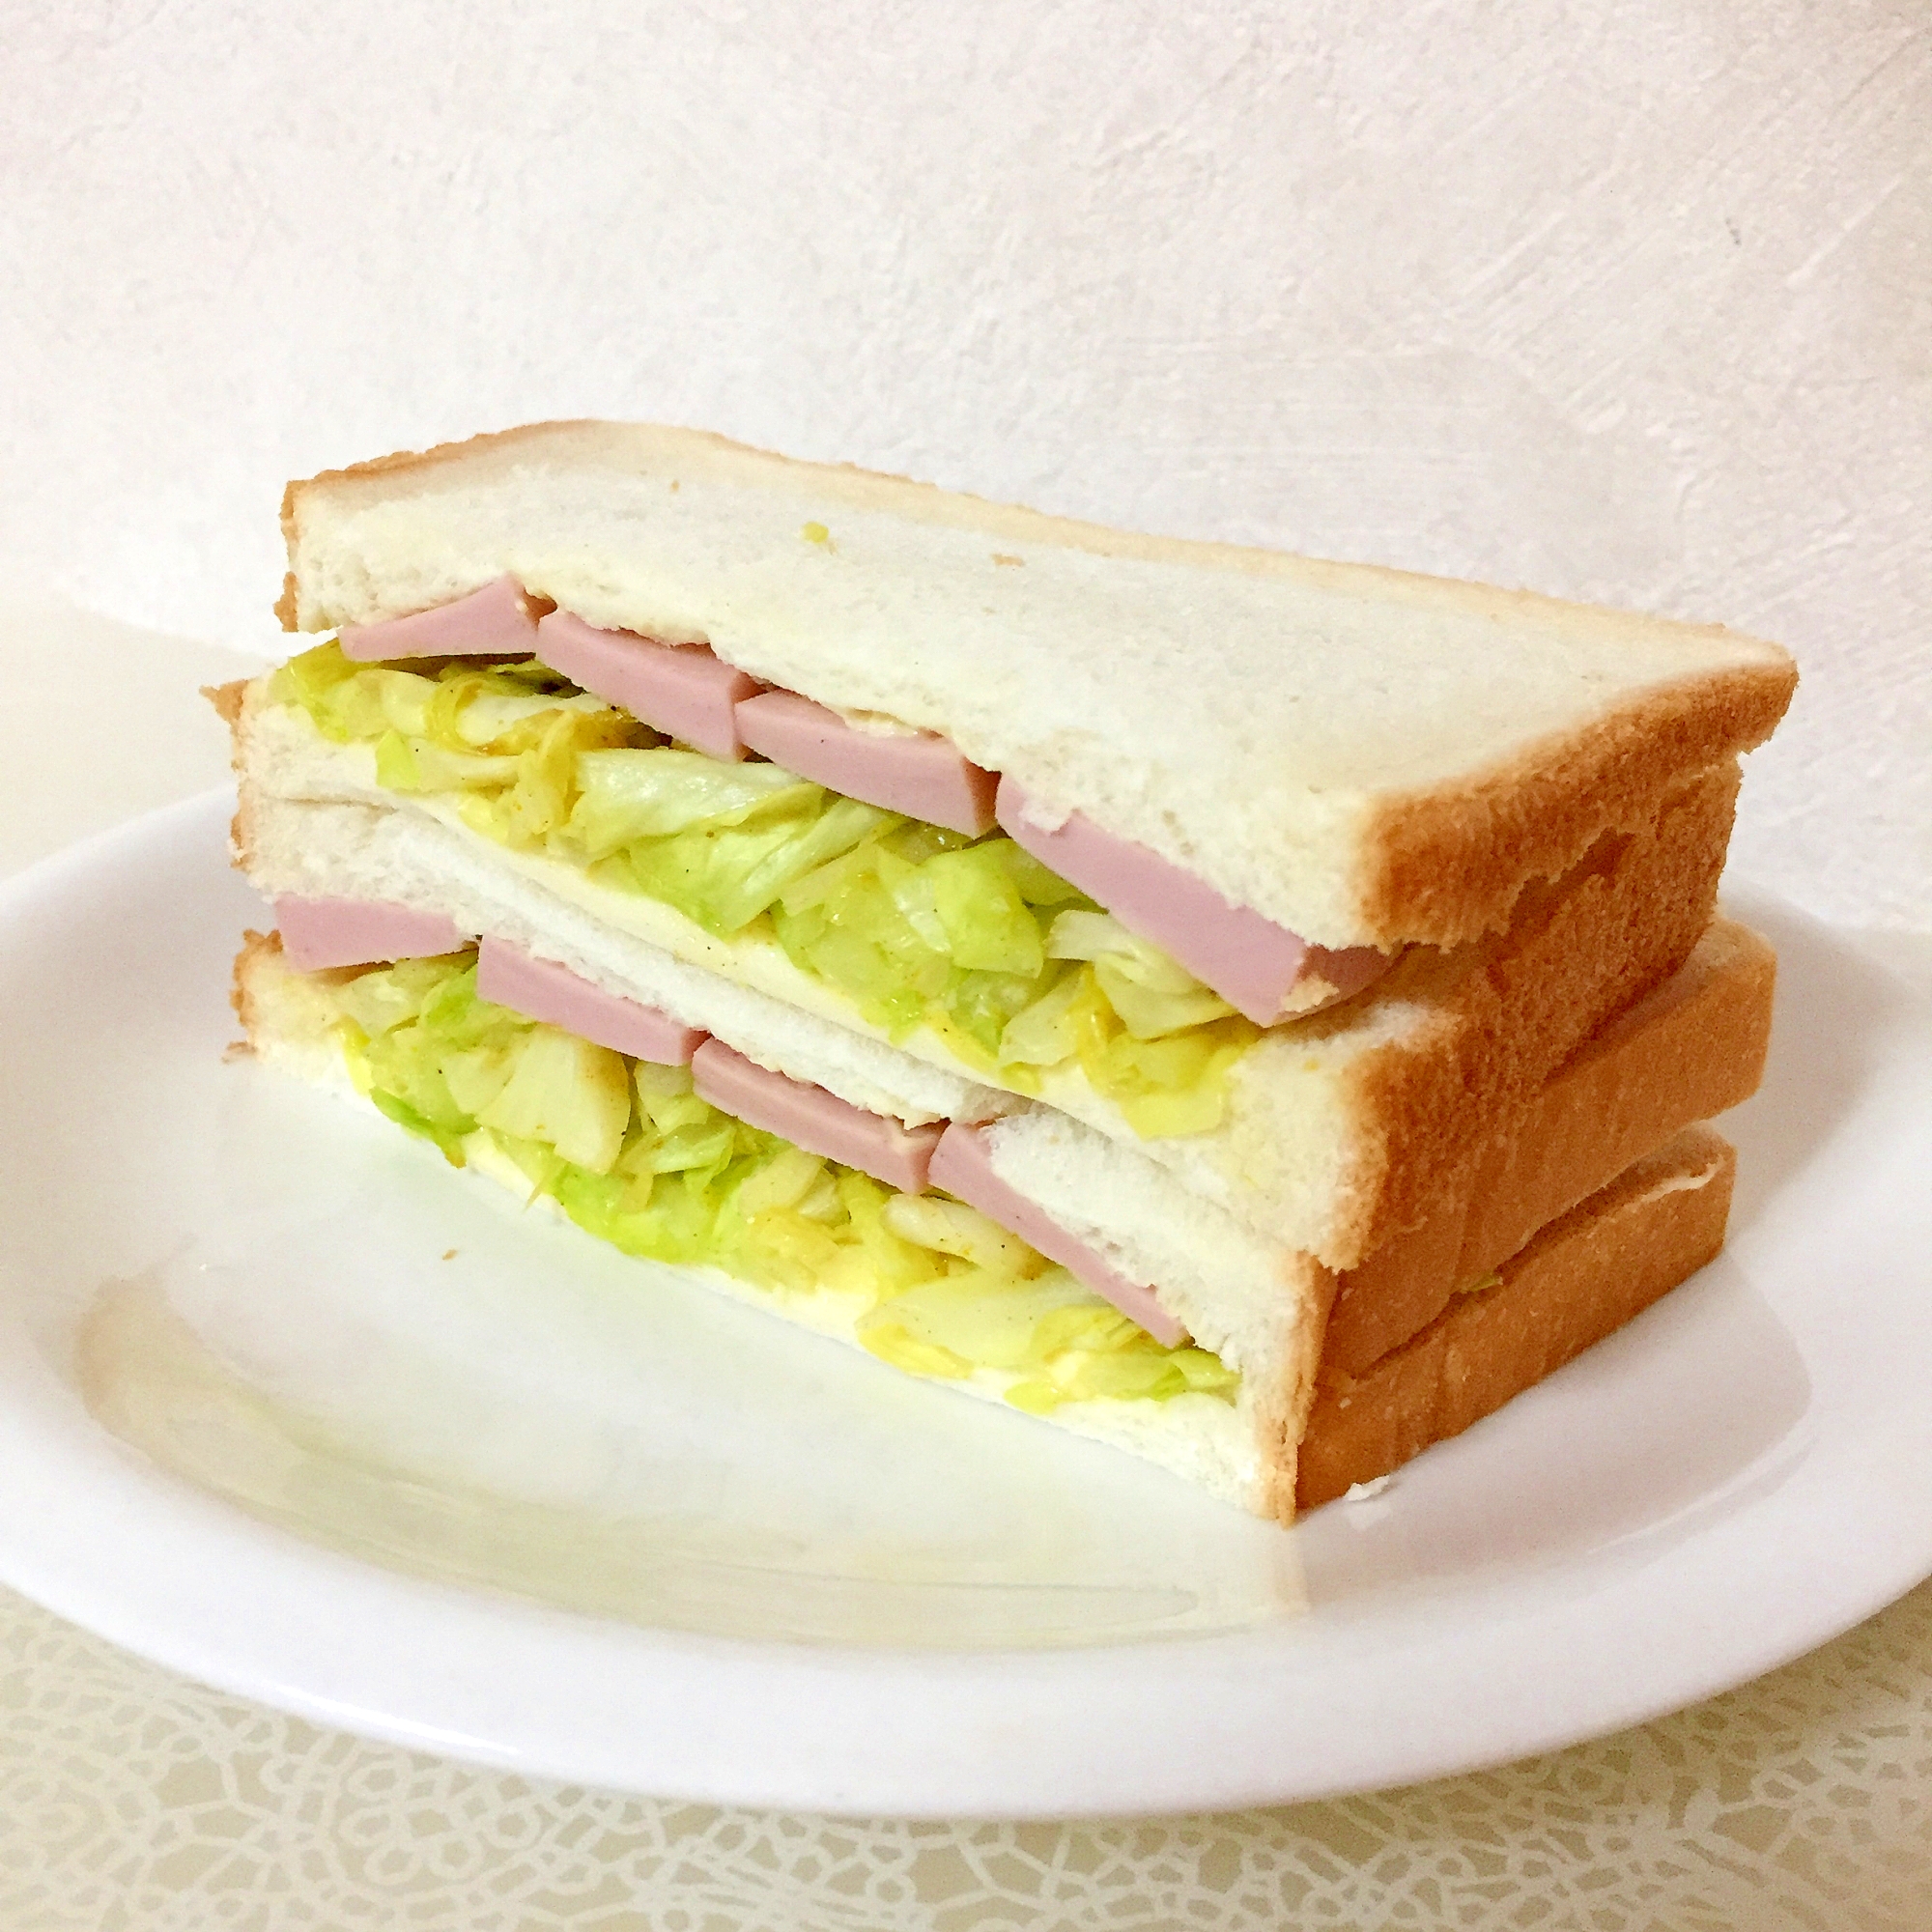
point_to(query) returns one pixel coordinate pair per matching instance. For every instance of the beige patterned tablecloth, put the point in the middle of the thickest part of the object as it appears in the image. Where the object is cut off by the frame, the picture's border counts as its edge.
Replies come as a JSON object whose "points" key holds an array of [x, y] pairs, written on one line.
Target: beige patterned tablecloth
{"points": [[132, 1801]]}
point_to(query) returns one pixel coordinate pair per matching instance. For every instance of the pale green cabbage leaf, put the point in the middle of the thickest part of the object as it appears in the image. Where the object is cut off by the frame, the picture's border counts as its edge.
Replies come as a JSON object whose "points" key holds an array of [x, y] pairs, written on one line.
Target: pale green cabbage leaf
{"points": [[634, 1155], [976, 939]]}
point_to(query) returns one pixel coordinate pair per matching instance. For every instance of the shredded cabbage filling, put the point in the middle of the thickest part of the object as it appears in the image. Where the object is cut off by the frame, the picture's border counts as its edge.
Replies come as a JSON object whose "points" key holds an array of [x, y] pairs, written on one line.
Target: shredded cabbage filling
{"points": [[630, 1154], [1013, 968]]}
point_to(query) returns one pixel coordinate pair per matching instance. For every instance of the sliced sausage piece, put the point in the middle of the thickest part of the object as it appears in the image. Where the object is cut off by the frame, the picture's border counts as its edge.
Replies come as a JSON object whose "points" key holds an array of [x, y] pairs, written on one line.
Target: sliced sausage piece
{"points": [[961, 1165], [1254, 964], [917, 773], [810, 1118], [543, 990], [322, 932], [497, 622], [681, 689]]}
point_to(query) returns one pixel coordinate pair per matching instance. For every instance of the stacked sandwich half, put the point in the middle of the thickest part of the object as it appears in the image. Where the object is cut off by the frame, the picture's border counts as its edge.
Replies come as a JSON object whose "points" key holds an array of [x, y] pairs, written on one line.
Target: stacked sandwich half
{"points": [[1254, 1012]]}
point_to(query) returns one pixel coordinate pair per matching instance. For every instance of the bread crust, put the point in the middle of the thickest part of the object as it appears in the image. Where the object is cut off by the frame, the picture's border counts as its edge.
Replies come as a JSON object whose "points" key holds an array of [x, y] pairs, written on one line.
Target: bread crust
{"points": [[1693, 1049], [1444, 860], [1515, 1013], [256, 947], [1578, 1280], [227, 700], [1440, 863], [1281, 1415]]}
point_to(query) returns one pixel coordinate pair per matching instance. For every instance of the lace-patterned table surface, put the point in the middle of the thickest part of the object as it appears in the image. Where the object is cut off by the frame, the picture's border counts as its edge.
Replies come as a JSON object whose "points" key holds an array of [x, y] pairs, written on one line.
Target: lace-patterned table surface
{"points": [[132, 1799]]}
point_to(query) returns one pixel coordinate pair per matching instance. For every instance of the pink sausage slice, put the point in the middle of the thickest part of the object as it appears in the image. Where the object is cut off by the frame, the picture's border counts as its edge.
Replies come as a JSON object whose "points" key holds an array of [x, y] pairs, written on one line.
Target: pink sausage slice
{"points": [[543, 990], [922, 774], [961, 1166], [813, 1118], [317, 933], [681, 689], [495, 621], [1249, 961]]}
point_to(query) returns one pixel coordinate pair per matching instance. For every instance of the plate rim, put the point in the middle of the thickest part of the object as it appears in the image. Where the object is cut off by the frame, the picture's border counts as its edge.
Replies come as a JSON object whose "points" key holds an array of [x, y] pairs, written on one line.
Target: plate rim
{"points": [[1205, 1693]]}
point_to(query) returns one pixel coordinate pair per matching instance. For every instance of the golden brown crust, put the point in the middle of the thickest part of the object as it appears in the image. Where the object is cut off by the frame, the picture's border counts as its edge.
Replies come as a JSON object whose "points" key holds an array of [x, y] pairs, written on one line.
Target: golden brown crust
{"points": [[287, 605], [227, 700], [1583, 1277], [257, 950], [279, 1008], [1513, 1008], [1692, 1050], [1280, 1412], [241, 828], [1445, 865]]}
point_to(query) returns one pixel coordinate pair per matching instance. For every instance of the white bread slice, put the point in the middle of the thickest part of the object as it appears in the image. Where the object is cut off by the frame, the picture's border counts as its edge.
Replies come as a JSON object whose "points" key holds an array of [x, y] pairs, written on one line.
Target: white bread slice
{"points": [[1364, 756], [1242, 1452], [1339, 1127]]}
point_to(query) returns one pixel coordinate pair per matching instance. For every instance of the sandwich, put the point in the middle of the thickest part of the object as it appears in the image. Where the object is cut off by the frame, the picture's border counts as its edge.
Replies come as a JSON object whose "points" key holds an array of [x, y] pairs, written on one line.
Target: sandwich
{"points": [[1254, 1012]]}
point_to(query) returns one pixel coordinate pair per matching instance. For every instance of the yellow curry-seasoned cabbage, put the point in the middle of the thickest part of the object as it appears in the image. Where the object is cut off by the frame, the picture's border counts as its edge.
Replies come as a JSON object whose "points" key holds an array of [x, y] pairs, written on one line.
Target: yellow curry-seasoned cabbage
{"points": [[633, 1154], [973, 938]]}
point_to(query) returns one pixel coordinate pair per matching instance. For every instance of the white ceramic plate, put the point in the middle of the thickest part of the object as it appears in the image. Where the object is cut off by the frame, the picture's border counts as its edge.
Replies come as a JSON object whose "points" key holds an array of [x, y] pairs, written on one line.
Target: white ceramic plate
{"points": [[289, 1405]]}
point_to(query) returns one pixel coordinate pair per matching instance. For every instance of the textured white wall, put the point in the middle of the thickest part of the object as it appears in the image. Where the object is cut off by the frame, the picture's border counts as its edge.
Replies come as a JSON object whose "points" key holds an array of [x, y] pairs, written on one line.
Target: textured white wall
{"points": [[1631, 303]]}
